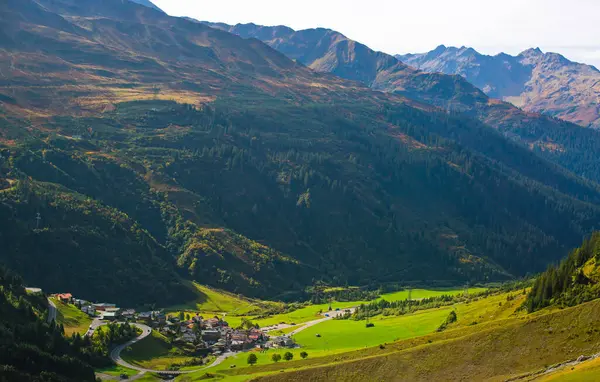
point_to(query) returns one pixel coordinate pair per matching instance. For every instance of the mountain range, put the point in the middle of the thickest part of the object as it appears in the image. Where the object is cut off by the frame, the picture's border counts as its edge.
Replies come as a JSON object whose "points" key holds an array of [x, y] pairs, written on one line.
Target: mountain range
{"points": [[158, 150], [532, 80], [328, 51]]}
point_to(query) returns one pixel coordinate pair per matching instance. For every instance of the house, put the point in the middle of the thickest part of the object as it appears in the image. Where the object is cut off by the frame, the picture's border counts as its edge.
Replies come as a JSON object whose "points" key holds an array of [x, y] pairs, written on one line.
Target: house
{"points": [[109, 316], [102, 306], [89, 310], [239, 336], [159, 316], [31, 290], [145, 316], [284, 342], [64, 297], [128, 313], [197, 319], [211, 335], [220, 345], [237, 345], [254, 337], [187, 337], [79, 302]]}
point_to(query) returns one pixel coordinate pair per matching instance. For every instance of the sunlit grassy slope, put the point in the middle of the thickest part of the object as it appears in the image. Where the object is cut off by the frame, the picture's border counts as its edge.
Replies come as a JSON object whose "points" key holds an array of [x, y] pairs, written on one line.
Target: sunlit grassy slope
{"points": [[426, 293], [496, 350], [492, 340], [153, 352], [218, 301], [312, 312], [73, 319]]}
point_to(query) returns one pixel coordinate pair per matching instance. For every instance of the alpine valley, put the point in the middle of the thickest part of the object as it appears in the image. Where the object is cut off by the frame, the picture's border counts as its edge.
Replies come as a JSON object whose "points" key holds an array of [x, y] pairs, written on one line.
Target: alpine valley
{"points": [[261, 174]]}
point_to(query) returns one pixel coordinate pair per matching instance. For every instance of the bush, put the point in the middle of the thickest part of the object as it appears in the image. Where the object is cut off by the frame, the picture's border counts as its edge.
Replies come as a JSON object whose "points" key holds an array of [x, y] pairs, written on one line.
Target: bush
{"points": [[288, 356], [276, 357], [252, 359], [304, 355]]}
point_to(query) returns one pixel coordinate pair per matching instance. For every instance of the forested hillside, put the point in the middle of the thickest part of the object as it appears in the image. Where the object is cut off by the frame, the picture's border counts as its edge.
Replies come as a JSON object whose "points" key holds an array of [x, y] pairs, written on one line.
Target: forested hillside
{"points": [[563, 92], [30, 349], [157, 149], [574, 281]]}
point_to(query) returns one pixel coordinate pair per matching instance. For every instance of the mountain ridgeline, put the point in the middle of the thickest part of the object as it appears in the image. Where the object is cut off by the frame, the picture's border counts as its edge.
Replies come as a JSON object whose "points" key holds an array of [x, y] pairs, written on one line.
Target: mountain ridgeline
{"points": [[576, 149], [160, 149], [533, 80]]}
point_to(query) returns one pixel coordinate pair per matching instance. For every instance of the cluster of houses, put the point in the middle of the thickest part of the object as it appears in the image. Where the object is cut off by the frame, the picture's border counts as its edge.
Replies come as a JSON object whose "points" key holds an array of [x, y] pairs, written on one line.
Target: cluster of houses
{"points": [[212, 335], [107, 311], [217, 336]]}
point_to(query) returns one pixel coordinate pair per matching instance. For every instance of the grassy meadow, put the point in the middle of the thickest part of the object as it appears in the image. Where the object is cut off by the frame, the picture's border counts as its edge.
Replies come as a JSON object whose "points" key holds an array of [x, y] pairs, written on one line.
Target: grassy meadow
{"points": [[153, 352], [344, 341], [73, 319]]}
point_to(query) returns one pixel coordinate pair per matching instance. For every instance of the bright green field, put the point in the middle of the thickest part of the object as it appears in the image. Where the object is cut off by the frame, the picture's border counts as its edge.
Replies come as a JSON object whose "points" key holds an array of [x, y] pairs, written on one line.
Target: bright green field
{"points": [[212, 300], [350, 334], [343, 335], [305, 314], [311, 312], [73, 319], [153, 352], [426, 293]]}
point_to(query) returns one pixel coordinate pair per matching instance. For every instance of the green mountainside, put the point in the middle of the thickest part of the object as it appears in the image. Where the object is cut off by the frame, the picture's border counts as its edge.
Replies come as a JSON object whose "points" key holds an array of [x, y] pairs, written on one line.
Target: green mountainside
{"points": [[30, 349], [158, 149], [574, 281], [567, 144]]}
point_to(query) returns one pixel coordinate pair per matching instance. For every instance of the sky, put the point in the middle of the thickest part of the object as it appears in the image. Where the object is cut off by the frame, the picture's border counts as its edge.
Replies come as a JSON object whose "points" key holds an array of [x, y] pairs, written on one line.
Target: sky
{"points": [[569, 27]]}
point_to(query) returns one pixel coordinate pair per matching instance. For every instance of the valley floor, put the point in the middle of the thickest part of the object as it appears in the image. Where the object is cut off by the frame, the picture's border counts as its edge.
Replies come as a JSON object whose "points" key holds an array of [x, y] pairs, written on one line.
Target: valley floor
{"points": [[492, 339]]}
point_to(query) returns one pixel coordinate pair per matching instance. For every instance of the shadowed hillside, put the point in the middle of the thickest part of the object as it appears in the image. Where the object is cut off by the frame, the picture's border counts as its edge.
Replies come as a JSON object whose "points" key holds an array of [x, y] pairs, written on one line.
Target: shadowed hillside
{"points": [[576, 149], [219, 159]]}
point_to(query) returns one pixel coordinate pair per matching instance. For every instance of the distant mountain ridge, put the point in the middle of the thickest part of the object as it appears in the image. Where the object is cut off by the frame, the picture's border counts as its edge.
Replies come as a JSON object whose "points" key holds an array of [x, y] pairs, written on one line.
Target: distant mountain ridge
{"points": [[326, 50], [533, 80], [158, 150]]}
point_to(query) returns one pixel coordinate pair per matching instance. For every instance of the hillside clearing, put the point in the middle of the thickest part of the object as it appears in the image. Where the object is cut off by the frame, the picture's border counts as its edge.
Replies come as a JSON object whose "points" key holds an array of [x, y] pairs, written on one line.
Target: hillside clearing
{"points": [[73, 319]]}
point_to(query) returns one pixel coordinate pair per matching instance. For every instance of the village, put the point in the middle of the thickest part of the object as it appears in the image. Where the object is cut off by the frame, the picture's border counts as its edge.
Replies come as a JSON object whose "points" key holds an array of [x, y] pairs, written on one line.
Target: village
{"points": [[199, 335]]}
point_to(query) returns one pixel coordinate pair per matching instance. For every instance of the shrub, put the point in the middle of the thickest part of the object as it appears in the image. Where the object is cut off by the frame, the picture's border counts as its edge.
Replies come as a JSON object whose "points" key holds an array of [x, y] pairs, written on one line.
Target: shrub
{"points": [[288, 356]]}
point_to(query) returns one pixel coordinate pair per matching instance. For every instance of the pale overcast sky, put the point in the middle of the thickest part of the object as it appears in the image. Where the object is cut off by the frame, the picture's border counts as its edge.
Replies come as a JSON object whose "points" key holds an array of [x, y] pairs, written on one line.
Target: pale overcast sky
{"points": [[570, 27]]}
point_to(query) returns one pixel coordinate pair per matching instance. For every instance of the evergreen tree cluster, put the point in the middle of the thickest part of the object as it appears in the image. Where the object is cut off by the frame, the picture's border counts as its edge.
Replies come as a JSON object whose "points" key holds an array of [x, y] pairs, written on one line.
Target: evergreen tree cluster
{"points": [[31, 349], [570, 282]]}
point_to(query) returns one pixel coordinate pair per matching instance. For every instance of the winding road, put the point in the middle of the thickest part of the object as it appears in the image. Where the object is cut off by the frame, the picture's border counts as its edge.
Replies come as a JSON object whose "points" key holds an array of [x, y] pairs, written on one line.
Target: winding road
{"points": [[115, 354]]}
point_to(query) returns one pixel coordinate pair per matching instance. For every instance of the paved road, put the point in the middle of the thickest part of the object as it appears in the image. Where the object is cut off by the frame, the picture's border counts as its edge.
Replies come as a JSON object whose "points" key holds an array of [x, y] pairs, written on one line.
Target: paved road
{"points": [[305, 325], [115, 354], [51, 311], [93, 326]]}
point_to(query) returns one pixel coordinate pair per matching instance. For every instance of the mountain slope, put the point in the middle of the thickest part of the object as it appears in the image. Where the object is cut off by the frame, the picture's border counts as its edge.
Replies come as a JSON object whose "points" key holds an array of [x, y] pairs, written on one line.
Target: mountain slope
{"points": [[575, 280], [30, 349], [325, 50], [535, 81], [147, 3], [223, 160]]}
